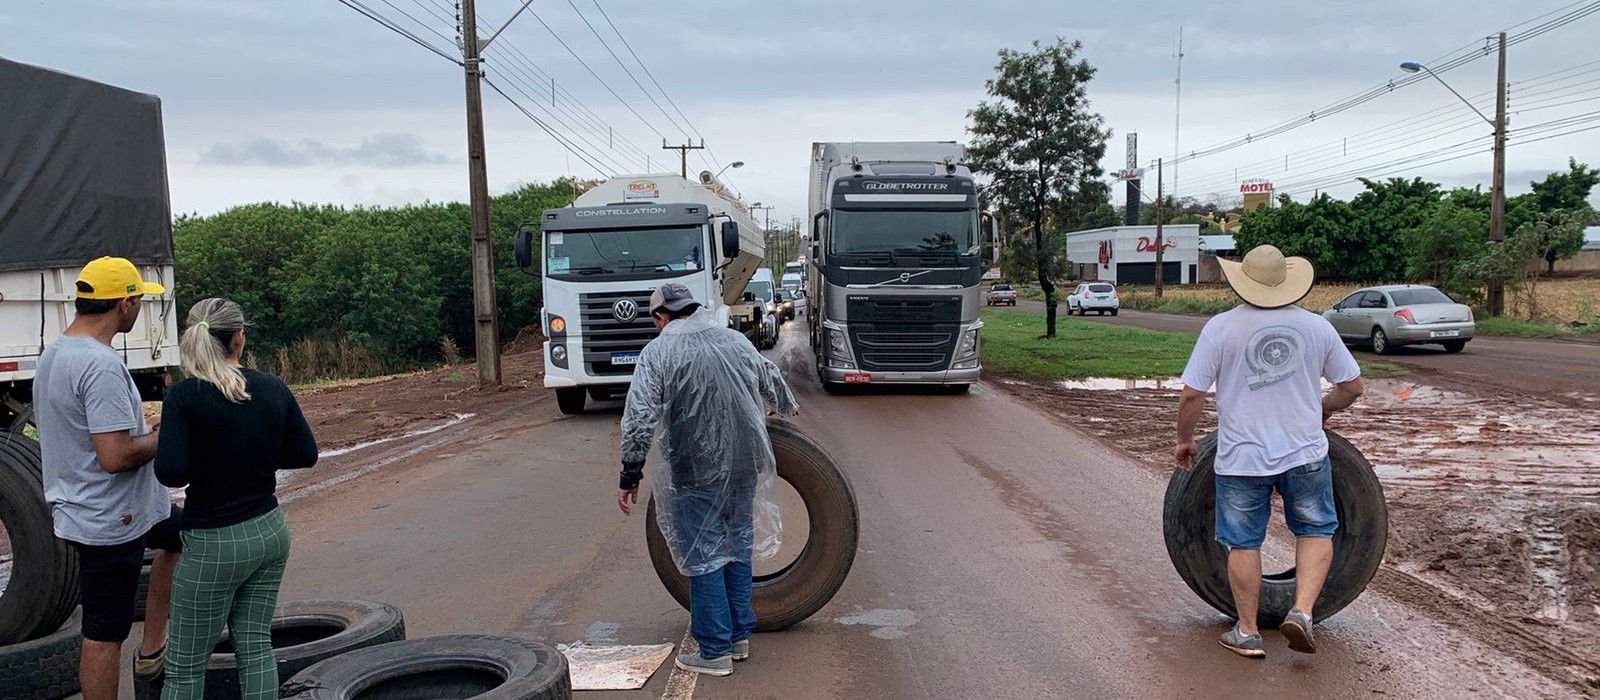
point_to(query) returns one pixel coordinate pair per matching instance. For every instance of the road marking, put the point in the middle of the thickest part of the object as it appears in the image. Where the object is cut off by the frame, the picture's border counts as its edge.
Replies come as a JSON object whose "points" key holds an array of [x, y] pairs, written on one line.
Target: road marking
{"points": [[680, 685]]}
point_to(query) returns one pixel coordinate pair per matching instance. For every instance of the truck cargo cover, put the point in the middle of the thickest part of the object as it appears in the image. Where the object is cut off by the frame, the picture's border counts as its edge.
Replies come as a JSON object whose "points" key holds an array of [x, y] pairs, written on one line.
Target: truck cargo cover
{"points": [[83, 172]]}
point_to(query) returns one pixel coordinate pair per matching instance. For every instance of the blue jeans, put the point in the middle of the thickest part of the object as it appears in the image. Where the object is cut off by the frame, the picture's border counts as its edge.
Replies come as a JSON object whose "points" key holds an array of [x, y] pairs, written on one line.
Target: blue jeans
{"points": [[1244, 504], [719, 609]]}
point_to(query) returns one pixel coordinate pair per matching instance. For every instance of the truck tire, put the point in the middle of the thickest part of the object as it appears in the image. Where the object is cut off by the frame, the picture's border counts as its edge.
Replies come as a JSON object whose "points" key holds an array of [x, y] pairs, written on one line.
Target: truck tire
{"points": [[789, 596], [461, 666], [304, 632], [45, 668], [43, 586], [571, 400], [144, 586], [1188, 524]]}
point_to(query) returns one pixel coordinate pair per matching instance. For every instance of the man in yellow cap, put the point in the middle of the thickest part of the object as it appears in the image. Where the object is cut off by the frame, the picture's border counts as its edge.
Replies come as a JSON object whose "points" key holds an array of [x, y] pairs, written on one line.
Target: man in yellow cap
{"points": [[106, 502], [1267, 359]]}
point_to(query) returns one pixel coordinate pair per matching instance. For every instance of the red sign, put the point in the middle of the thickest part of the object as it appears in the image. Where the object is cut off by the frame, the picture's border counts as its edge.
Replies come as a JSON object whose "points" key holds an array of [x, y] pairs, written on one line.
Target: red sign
{"points": [[1105, 252], [1255, 187], [1149, 246], [858, 379]]}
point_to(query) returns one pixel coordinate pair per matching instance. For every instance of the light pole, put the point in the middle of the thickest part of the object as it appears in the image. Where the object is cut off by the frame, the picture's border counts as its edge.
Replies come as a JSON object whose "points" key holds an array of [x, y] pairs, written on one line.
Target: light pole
{"points": [[1497, 196], [766, 230], [735, 164]]}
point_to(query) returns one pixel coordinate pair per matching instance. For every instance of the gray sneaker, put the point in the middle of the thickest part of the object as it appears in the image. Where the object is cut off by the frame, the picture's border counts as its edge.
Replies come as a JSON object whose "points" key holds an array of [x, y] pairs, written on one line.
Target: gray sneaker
{"points": [[1243, 645], [720, 666], [741, 650], [1297, 629], [148, 666]]}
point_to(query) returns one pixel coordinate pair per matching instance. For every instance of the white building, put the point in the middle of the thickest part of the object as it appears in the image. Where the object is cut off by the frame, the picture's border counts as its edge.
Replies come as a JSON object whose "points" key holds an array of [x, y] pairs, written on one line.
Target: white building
{"points": [[1127, 254]]}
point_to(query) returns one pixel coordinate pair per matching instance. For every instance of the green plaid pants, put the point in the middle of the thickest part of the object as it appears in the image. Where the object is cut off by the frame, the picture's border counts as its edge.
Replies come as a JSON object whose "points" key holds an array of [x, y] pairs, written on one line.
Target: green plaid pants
{"points": [[227, 575]]}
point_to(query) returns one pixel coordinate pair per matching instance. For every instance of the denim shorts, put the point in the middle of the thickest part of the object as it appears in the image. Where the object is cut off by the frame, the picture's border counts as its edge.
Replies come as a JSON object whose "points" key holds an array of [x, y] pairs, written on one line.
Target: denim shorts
{"points": [[108, 578], [1244, 504]]}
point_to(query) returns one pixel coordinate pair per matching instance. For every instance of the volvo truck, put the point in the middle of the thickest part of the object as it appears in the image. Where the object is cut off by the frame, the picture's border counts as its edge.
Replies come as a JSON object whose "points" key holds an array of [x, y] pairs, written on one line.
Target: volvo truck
{"points": [[615, 244], [894, 266]]}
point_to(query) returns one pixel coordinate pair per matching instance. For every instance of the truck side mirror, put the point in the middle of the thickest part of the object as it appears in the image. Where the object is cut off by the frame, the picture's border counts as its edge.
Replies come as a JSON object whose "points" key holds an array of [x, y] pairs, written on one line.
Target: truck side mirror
{"points": [[522, 247], [730, 240]]}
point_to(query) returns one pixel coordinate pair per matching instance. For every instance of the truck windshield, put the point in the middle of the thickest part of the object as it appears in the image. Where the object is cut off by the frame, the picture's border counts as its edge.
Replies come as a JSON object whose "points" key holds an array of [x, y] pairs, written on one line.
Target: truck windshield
{"points": [[895, 232], [762, 289], [636, 253]]}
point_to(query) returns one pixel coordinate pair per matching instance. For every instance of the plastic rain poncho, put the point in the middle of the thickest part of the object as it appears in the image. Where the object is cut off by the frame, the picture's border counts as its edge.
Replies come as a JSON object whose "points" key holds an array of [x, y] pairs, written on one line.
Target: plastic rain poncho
{"points": [[707, 391]]}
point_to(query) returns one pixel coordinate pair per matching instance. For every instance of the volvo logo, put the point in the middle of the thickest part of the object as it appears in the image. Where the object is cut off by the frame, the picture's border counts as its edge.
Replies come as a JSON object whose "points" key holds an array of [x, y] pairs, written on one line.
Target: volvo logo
{"points": [[905, 277], [625, 310]]}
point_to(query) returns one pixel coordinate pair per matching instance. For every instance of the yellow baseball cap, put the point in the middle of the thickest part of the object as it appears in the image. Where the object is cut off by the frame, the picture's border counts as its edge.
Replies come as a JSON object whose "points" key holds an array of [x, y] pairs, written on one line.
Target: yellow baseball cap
{"points": [[113, 278]]}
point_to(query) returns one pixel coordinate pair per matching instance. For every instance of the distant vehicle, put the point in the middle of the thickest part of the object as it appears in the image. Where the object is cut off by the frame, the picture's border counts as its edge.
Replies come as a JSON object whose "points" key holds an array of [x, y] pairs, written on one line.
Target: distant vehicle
{"points": [[1409, 314], [1099, 297], [1001, 294], [768, 299]]}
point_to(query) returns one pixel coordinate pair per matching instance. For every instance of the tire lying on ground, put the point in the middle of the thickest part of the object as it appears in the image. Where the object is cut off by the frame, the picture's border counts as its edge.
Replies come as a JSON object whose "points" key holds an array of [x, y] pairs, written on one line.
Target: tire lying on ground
{"points": [[143, 596], [786, 597], [44, 668], [304, 632], [1188, 521], [42, 590], [465, 666]]}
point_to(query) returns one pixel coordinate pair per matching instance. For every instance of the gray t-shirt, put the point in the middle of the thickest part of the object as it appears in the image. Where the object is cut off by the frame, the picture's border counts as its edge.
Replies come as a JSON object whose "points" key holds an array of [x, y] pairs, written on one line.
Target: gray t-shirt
{"points": [[82, 387]]}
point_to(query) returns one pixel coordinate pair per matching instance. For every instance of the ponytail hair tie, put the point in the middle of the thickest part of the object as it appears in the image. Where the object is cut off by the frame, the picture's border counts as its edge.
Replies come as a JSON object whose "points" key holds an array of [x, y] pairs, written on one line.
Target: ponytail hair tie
{"points": [[206, 326]]}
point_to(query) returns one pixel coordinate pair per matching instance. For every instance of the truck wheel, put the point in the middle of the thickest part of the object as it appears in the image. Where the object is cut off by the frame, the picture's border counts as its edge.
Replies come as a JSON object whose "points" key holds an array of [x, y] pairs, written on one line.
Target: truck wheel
{"points": [[43, 668], [1188, 522], [304, 632], [142, 598], [461, 666], [571, 400], [43, 586], [787, 597]]}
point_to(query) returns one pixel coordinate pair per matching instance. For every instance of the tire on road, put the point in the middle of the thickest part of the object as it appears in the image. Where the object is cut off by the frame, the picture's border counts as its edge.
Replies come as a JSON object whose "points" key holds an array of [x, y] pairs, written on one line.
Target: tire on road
{"points": [[787, 597], [43, 587], [570, 400], [43, 668], [304, 632], [462, 666], [1188, 524]]}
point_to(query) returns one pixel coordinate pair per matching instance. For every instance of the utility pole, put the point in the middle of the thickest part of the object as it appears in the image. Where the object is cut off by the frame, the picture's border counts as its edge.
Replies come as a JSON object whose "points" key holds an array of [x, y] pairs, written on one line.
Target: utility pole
{"points": [[683, 154], [1497, 210], [486, 322], [1161, 272]]}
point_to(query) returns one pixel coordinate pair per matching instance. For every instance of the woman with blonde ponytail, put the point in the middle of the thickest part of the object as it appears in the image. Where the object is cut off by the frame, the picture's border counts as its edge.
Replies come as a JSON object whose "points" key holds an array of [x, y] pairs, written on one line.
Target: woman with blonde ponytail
{"points": [[226, 431]]}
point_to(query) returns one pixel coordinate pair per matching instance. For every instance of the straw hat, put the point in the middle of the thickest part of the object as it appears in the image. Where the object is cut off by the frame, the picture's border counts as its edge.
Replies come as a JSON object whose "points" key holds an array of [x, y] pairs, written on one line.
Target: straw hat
{"points": [[1268, 280]]}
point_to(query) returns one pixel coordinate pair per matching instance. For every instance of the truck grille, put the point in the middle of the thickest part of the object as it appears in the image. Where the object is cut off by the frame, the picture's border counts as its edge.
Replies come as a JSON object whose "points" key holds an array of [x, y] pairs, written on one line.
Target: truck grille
{"points": [[603, 334], [885, 348]]}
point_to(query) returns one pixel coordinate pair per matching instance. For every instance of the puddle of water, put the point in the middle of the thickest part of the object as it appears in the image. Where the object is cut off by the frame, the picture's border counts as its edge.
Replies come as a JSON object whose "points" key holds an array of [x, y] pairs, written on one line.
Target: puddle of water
{"points": [[890, 624], [1114, 384], [602, 632]]}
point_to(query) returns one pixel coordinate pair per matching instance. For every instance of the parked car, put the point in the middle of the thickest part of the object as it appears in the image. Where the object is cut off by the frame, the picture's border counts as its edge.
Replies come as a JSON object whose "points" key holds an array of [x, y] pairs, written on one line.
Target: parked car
{"points": [[1100, 297], [1001, 294], [1409, 314]]}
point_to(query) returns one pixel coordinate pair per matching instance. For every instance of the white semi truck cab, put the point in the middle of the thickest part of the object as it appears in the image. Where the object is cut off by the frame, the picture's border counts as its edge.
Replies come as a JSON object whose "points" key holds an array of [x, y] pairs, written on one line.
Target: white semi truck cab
{"points": [[895, 262], [604, 256]]}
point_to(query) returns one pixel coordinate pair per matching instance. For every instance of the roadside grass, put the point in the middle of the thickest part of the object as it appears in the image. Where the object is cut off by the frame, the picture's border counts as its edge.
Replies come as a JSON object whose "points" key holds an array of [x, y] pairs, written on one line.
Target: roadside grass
{"points": [[1506, 326], [1080, 350]]}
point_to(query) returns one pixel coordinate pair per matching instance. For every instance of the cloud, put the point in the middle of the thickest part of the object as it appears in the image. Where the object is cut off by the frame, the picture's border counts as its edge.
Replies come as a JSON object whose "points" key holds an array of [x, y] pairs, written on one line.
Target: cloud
{"points": [[381, 150]]}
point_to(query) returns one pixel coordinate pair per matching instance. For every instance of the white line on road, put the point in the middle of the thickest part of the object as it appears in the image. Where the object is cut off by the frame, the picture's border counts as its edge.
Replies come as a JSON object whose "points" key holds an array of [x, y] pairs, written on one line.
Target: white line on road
{"points": [[680, 685]]}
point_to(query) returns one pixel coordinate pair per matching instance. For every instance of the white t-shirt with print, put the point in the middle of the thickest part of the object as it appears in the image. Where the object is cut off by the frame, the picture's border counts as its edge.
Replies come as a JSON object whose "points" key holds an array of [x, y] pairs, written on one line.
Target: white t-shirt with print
{"points": [[1267, 366]]}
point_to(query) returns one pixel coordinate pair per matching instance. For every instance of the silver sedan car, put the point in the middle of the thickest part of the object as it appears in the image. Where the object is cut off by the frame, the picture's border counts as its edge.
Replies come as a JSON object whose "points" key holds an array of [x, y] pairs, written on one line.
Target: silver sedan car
{"points": [[1404, 314]]}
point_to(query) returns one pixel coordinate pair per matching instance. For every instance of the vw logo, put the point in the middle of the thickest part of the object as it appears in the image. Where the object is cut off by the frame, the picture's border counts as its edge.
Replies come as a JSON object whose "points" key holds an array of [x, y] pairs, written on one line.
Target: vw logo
{"points": [[625, 310]]}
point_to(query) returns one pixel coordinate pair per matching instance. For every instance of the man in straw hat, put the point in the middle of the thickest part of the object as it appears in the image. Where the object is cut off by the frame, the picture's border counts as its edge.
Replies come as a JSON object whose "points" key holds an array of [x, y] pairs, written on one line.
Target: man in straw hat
{"points": [[1267, 359]]}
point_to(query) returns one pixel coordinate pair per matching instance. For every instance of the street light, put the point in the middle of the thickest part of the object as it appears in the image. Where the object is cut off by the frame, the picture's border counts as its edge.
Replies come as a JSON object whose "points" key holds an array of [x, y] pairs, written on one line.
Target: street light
{"points": [[734, 164], [1497, 206]]}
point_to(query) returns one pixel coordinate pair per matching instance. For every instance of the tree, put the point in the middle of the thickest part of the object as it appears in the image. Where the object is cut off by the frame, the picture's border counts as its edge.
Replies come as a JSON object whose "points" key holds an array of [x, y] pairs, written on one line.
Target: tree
{"points": [[1558, 234], [1444, 249], [1309, 230], [1041, 146], [1372, 249]]}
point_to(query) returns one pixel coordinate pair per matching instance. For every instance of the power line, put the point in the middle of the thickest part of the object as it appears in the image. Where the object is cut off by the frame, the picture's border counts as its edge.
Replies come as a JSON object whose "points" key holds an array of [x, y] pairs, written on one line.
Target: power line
{"points": [[648, 73], [624, 67], [580, 154], [592, 72], [591, 121], [522, 84], [419, 22], [393, 26]]}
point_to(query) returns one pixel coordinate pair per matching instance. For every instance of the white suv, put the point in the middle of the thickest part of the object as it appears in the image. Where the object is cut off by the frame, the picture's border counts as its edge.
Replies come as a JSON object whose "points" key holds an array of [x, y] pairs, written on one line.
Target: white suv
{"points": [[1093, 296]]}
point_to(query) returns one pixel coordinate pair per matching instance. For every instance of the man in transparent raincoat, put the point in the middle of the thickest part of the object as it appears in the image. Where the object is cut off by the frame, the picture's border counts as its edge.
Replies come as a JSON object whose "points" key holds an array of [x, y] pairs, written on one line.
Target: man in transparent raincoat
{"points": [[708, 392]]}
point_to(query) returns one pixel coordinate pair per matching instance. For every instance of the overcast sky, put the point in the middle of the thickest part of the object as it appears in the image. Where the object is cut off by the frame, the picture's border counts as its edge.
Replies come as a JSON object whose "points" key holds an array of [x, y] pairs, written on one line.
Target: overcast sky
{"points": [[308, 100]]}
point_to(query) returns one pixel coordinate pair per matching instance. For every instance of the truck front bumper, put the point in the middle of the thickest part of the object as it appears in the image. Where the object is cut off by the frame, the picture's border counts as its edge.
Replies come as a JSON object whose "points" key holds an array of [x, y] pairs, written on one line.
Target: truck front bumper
{"points": [[851, 376]]}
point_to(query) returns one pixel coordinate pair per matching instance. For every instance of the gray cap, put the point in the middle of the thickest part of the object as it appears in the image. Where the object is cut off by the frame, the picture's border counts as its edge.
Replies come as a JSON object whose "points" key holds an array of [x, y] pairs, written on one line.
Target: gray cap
{"points": [[671, 297]]}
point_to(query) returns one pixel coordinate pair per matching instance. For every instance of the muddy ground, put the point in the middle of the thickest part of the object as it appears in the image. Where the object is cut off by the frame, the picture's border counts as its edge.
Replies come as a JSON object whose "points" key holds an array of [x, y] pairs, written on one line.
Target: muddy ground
{"points": [[1494, 505]]}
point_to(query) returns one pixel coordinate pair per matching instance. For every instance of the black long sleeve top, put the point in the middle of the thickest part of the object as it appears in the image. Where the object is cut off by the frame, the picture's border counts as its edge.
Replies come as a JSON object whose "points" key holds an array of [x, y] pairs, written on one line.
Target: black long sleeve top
{"points": [[228, 454]]}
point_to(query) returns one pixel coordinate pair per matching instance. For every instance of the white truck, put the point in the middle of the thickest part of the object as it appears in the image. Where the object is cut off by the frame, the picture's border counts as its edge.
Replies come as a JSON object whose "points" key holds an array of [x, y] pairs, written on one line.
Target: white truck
{"points": [[895, 263], [85, 176], [618, 242]]}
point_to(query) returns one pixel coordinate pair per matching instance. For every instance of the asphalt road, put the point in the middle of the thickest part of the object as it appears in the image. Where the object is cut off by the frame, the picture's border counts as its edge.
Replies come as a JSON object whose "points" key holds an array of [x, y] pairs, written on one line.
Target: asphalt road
{"points": [[1554, 369], [1002, 555]]}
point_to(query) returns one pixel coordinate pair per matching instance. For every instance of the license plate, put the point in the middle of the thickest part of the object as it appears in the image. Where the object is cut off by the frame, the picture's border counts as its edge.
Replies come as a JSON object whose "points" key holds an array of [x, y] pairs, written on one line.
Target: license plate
{"points": [[1444, 334], [624, 358], [858, 379], [1102, 297]]}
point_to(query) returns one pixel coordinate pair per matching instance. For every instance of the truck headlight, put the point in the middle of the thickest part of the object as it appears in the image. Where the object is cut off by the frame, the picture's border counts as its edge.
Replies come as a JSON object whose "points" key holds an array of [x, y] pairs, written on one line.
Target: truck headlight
{"points": [[969, 343], [837, 345]]}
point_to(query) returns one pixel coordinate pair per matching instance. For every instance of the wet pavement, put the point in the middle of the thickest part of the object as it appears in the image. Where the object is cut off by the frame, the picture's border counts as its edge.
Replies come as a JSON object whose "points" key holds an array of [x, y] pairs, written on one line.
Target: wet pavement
{"points": [[1002, 555]]}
